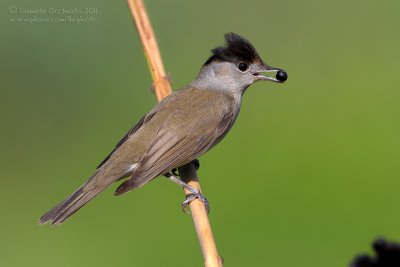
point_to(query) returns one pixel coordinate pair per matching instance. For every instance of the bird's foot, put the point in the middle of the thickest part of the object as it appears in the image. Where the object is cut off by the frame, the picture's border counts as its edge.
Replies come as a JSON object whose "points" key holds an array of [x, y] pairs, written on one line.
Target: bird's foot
{"points": [[194, 193], [192, 196]]}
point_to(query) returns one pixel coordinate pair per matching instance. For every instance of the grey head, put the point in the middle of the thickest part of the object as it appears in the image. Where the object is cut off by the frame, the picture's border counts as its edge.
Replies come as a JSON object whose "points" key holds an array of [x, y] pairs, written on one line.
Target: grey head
{"points": [[234, 67]]}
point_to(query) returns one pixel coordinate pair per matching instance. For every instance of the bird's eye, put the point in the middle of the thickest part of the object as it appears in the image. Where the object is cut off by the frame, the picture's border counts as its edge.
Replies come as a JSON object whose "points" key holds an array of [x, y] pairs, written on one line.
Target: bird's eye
{"points": [[243, 66]]}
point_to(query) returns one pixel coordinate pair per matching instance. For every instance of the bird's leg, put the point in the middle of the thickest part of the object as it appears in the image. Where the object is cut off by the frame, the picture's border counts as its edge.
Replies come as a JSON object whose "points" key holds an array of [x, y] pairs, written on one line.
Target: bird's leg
{"points": [[194, 193], [181, 183]]}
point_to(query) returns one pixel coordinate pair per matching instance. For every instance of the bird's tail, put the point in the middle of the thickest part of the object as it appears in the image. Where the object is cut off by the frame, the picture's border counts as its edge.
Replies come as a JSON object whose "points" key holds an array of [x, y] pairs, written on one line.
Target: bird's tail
{"points": [[78, 199]]}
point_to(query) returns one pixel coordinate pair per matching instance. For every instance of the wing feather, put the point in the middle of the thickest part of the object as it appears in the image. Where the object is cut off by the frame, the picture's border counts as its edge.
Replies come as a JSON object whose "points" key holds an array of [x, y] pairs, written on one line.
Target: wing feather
{"points": [[131, 131], [171, 150]]}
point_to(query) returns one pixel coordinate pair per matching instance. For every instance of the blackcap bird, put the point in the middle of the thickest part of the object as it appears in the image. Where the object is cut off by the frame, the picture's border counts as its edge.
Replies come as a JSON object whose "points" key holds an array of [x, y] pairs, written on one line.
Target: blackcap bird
{"points": [[180, 128]]}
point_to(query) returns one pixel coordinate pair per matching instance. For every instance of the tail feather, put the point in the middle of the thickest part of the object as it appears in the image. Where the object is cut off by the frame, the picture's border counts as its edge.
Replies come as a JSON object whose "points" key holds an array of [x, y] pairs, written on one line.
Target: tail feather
{"points": [[73, 207], [54, 212], [72, 204]]}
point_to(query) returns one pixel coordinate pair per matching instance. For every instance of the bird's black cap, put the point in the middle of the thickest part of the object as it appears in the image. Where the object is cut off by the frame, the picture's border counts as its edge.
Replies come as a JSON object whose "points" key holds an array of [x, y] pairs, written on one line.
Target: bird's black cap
{"points": [[237, 49]]}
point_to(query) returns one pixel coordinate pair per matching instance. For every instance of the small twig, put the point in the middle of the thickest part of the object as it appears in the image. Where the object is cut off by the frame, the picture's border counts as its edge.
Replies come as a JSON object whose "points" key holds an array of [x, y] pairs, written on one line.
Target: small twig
{"points": [[162, 88], [161, 84]]}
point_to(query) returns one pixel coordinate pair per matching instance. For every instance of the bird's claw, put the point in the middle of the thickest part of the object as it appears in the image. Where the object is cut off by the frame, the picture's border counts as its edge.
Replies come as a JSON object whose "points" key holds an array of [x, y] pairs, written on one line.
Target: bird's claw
{"points": [[192, 196]]}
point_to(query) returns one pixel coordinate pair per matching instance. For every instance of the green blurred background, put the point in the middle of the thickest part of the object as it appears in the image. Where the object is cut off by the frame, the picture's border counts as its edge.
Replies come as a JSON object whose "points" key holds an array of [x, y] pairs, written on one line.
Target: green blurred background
{"points": [[308, 176]]}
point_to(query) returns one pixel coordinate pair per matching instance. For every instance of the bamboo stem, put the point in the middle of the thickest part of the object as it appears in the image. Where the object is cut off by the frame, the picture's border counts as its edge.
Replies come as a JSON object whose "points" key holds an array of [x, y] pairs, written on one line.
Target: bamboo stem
{"points": [[162, 89]]}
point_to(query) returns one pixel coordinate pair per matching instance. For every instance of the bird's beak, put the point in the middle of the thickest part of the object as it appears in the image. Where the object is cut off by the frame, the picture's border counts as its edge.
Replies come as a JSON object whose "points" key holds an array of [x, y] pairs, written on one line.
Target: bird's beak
{"points": [[280, 75]]}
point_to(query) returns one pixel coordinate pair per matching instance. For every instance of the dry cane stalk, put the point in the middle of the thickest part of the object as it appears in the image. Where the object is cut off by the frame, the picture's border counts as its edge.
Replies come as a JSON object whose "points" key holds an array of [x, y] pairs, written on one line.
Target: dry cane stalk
{"points": [[162, 88]]}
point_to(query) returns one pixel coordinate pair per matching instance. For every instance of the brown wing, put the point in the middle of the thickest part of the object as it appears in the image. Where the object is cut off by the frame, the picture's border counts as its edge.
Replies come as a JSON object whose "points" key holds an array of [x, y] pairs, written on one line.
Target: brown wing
{"points": [[131, 131], [171, 150]]}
